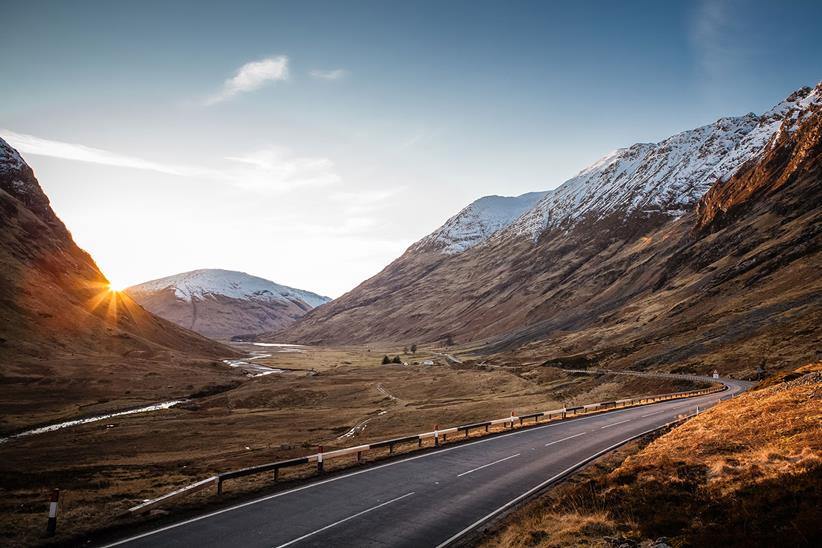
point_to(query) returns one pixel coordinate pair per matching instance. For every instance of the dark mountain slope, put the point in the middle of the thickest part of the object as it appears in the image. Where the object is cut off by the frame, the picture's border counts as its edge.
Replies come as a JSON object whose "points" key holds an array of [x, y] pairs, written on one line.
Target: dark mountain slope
{"points": [[66, 340]]}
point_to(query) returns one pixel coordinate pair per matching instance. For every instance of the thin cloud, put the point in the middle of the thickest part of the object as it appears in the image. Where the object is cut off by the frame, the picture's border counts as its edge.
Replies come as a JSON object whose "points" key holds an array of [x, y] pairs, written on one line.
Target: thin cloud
{"points": [[714, 34], [335, 74], [274, 169], [252, 76], [278, 169], [29, 144]]}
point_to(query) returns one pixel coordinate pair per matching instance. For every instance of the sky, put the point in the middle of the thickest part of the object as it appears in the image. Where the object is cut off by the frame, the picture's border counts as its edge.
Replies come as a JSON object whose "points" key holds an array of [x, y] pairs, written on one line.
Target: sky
{"points": [[311, 143]]}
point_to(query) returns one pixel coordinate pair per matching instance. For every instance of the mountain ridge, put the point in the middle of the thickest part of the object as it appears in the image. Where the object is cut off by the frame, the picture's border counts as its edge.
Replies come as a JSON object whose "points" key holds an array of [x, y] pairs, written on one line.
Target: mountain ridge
{"points": [[510, 292], [222, 303]]}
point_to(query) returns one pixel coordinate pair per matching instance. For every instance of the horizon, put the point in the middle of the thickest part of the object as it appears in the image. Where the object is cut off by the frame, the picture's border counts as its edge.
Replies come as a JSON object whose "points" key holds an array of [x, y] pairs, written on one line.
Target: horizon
{"points": [[269, 142]]}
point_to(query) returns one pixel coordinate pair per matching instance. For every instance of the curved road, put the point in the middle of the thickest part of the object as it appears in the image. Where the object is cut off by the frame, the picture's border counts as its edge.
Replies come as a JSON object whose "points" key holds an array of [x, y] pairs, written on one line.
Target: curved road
{"points": [[427, 500]]}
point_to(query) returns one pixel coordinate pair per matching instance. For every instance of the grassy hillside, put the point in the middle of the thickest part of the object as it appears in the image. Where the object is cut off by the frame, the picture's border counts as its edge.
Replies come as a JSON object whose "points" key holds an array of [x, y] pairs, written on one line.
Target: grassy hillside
{"points": [[746, 473]]}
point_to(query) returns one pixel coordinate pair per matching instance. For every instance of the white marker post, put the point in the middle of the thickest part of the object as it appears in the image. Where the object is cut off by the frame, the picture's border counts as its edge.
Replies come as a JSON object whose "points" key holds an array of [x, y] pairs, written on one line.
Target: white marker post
{"points": [[52, 526], [320, 459], [436, 435]]}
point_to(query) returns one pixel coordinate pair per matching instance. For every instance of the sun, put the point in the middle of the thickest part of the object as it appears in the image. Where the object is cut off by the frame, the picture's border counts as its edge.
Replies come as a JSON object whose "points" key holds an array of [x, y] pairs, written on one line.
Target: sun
{"points": [[114, 287]]}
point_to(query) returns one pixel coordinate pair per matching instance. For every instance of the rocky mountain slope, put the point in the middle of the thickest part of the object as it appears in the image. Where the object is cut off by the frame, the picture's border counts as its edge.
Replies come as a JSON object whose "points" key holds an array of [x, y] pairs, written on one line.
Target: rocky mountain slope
{"points": [[624, 264], [477, 222], [222, 304], [66, 339]]}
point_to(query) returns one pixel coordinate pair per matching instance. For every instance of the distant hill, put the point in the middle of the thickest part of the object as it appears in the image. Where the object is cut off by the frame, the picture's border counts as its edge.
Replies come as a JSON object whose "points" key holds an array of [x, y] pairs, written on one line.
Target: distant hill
{"points": [[67, 341], [222, 304]]}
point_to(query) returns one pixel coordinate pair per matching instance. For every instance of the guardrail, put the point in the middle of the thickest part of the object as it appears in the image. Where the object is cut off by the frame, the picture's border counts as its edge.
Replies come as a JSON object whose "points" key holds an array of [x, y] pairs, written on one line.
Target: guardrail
{"points": [[438, 435]]}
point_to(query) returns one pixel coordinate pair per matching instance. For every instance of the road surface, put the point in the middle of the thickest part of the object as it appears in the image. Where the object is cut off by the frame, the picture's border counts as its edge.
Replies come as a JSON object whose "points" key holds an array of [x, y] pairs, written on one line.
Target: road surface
{"points": [[424, 500]]}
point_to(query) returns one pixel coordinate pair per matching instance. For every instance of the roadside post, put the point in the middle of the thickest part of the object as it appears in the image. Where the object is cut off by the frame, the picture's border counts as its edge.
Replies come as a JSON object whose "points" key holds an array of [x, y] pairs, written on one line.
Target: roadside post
{"points": [[52, 525], [320, 459]]}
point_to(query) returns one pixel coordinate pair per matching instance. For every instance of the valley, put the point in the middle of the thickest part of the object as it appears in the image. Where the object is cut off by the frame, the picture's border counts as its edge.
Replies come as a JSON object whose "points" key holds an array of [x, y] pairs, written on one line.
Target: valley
{"points": [[329, 396]]}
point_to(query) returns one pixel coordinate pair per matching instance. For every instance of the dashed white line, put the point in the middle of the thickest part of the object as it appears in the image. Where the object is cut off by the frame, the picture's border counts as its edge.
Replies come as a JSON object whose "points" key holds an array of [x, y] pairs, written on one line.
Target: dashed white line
{"points": [[358, 514], [563, 439], [487, 465], [614, 424], [654, 413]]}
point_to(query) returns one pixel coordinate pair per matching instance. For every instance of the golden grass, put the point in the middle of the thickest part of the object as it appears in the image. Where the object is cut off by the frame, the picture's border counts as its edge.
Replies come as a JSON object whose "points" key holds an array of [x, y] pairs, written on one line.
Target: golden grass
{"points": [[745, 473]]}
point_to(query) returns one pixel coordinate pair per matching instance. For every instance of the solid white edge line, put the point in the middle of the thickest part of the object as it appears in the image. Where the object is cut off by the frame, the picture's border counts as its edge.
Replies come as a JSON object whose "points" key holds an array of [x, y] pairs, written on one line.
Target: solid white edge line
{"points": [[614, 424], [543, 484], [358, 514], [371, 469], [487, 465], [563, 439]]}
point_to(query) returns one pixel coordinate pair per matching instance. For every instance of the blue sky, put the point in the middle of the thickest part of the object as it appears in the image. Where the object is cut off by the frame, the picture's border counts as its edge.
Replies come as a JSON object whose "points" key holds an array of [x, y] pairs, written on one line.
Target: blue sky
{"points": [[363, 125]]}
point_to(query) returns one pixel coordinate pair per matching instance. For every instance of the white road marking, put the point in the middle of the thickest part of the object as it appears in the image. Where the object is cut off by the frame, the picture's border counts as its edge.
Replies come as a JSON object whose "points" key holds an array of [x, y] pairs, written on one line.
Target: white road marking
{"points": [[487, 465], [563, 439], [614, 424], [654, 413], [358, 514], [540, 486], [582, 418]]}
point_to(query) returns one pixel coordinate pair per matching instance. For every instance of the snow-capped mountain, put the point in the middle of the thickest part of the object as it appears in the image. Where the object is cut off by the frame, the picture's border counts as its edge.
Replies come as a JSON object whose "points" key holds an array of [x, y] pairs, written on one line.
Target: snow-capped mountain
{"points": [[667, 177], [200, 284], [224, 303], [477, 222], [618, 248]]}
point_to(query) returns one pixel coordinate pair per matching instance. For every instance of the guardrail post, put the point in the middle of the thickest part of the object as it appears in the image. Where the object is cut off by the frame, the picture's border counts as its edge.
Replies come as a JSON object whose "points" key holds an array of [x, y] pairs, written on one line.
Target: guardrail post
{"points": [[486, 428], [466, 432], [51, 528], [219, 486], [320, 459], [276, 474], [390, 448], [512, 418], [419, 442], [436, 435], [359, 457]]}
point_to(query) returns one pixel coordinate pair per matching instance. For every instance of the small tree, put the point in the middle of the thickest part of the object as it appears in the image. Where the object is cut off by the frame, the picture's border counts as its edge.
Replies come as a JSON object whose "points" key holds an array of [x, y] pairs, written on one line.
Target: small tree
{"points": [[413, 348], [386, 360], [397, 359], [449, 340]]}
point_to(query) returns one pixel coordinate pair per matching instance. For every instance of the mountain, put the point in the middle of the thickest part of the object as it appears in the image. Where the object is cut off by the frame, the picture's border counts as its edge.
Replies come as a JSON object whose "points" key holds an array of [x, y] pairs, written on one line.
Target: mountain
{"points": [[477, 222], [684, 251], [222, 303], [66, 339]]}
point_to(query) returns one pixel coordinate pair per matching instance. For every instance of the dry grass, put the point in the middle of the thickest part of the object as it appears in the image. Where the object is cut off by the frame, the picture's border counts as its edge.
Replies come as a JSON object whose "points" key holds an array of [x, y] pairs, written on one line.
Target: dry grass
{"points": [[104, 468], [746, 473]]}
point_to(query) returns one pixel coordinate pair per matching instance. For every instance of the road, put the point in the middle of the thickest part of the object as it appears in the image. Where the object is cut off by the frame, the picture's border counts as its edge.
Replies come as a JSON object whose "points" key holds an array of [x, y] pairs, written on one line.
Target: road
{"points": [[426, 500]]}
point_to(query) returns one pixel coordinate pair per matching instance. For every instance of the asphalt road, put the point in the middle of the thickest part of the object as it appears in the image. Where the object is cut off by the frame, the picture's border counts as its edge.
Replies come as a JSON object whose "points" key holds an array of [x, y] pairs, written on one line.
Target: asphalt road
{"points": [[426, 500]]}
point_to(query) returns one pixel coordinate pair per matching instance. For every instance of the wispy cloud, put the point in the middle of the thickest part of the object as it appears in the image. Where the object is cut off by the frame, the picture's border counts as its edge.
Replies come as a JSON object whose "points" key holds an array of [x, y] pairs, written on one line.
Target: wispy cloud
{"points": [[272, 169], [335, 74], [29, 144], [714, 35], [278, 168], [252, 76]]}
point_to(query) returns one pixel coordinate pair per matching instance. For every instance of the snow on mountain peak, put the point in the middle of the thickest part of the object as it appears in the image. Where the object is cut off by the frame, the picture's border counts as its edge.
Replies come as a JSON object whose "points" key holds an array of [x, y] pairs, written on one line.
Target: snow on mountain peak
{"points": [[201, 284], [477, 222], [666, 177], [10, 159]]}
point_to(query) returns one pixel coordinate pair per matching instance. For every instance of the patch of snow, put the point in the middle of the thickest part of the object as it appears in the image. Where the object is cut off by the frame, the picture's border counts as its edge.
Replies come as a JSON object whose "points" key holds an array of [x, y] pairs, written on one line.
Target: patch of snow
{"points": [[666, 177], [478, 222], [10, 159], [201, 284]]}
